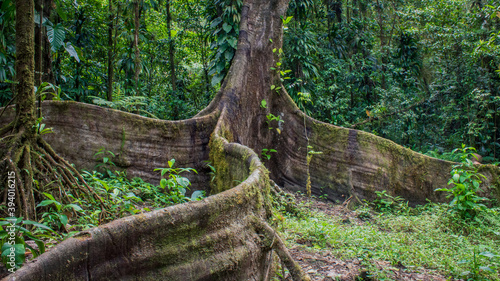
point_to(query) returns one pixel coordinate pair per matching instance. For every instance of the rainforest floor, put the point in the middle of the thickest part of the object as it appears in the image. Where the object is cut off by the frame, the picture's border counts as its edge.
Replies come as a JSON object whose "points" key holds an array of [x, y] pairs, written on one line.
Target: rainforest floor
{"points": [[387, 240]]}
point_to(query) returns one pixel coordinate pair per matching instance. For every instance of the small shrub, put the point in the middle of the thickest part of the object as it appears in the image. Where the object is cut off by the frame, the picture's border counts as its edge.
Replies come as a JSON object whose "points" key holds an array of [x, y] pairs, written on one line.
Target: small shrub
{"points": [[465, 181], [387, 203], [13, 235], [176, 186]]}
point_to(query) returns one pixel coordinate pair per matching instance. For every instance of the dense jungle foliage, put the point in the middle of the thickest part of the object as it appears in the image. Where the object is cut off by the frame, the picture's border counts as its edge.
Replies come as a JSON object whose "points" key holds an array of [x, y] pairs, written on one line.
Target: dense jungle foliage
{"points": [[421, 73]]}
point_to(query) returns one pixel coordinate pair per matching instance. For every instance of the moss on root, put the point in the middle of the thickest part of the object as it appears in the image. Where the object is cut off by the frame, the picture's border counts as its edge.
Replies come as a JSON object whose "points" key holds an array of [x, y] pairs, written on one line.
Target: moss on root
{"points": [[218, 159]]}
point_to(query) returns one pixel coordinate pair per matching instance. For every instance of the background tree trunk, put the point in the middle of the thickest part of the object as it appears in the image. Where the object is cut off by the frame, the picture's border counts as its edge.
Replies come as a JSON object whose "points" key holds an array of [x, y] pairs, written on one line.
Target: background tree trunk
{"points": [[110, 51], [25, 107], [137, 57], [171, 49]]}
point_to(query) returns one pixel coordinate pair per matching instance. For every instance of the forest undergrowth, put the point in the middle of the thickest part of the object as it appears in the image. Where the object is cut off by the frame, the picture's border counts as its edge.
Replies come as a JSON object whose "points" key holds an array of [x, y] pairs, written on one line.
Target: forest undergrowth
{"points": [[388, 240], [123, 196]]}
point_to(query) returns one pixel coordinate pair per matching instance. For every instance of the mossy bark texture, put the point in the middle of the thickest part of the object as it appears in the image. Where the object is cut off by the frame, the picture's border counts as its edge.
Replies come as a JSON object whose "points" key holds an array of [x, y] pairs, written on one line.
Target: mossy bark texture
{"points": [[225, 236]]}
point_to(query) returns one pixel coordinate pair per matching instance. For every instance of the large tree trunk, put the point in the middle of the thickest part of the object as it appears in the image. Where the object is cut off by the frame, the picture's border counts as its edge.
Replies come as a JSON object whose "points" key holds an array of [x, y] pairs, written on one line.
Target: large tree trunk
{"points": [[226, 236]]}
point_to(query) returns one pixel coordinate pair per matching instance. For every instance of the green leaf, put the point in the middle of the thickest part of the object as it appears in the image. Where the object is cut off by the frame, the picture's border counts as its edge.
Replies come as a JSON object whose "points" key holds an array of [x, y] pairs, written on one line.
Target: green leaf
{"points": [[56, 35], [37, 224], [171, 163], [163, 183], [182, 170], [198, 194], [33, 251], [63, 219], [72, 51], [263, 104], [476, 184], [48, 195], [486, 268], [217, 79], [228, 55], [287, 20], [163, 171], [215, 22], [61, 12], [488, 254], [183, 181], [4, 223], [74, 207], [171, 183], [227, 27], [19, 251], [219, 67], [46, 202], [233, 42]]}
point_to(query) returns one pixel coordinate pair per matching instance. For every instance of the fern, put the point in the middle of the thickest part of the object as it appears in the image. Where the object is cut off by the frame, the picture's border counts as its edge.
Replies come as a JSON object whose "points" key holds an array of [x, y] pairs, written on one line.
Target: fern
{"points": [[128, 104]]}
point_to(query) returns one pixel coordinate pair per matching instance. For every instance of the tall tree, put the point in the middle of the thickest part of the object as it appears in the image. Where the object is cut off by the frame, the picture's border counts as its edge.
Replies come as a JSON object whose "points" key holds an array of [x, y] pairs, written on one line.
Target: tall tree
{"points": [[111, 18], [22, 150], [171, 50], [137, 52]]}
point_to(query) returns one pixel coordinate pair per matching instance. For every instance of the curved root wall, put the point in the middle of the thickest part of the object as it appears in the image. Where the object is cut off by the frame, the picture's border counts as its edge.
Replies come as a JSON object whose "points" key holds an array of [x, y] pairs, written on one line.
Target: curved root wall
{"points": [[355, 164], [141, 144], [212, 239]]}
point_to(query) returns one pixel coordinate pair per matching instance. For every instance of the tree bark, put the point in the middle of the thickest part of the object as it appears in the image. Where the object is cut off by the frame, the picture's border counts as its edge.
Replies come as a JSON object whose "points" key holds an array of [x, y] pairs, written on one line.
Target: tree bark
{"points": [[25, 62], [137, 57], [38, 52], [171, 49], [43, 55], [110, 51]]}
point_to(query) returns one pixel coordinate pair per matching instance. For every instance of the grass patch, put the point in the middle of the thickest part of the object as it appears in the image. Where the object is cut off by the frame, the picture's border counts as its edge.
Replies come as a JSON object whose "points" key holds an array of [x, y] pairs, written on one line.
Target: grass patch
{"points": [[427, 237]]}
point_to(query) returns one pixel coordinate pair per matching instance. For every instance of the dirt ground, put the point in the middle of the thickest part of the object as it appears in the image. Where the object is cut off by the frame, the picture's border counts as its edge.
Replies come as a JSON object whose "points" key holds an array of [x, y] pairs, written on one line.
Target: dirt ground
{"points": [[323, 265]]}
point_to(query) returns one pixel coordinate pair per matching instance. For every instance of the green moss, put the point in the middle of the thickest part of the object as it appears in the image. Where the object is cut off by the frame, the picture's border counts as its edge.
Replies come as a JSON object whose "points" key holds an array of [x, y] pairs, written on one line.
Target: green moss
{"points": [[218, 159], [226, 133], [327, 133], [402, 164], [64, 106]]}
